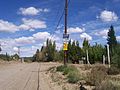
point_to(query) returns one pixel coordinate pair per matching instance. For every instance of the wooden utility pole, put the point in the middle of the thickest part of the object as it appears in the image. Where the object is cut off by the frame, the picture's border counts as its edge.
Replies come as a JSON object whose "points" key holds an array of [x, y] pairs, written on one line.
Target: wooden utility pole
{"points": [[65, 35]]}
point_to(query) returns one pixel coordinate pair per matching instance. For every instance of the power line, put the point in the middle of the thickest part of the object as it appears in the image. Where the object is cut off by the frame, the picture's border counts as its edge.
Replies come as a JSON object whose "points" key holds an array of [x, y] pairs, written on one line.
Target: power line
{"points": [[56, 28]]}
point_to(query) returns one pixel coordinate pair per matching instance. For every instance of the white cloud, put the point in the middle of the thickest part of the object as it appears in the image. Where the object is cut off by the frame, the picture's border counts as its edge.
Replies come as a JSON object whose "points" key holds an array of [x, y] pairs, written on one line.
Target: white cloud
{"points": [[46, 10], [85, 35], [76, 30], [25, 40], [32, 11], [32, 24], [118, 38], [29, 11], [15, 49], [28, 24], [108, 16], [54, 38], [102, 33], [41, 35], [6, 26]]}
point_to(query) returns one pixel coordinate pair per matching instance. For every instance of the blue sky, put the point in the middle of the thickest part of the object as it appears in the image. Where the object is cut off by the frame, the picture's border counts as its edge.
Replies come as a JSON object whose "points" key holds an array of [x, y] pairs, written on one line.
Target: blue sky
{"points": [[28, 23]]}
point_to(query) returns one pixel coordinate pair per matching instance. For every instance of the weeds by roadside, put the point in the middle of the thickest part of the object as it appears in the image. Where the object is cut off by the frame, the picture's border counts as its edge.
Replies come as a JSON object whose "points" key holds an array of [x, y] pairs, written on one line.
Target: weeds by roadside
{"points": [[72, 73]]}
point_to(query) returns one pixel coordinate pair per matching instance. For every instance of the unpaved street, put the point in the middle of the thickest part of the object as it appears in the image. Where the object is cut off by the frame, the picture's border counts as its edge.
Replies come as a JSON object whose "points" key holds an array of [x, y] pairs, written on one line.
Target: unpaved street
{"points": [[26, 77]]}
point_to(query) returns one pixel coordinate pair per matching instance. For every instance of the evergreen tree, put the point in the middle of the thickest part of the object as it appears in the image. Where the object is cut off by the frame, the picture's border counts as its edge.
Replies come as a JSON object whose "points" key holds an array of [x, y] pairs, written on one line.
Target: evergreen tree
{"points": [[111, 40], [86, 47], [36, 56], [96, 53], [50, 50], [74, 52]]}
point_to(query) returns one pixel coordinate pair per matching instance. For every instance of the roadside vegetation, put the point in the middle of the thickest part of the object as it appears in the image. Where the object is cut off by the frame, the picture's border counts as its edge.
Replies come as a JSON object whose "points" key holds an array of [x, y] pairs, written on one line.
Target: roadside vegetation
{"points": [[71, 72]]}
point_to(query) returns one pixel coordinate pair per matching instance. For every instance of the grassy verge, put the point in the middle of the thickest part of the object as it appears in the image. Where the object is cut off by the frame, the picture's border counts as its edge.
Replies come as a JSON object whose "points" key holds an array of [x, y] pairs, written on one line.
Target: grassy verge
{"points": [[71, 72]]}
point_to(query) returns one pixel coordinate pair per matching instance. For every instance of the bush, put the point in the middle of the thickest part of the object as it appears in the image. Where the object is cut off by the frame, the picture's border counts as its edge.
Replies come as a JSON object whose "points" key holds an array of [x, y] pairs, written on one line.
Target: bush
{"points": [[71, 72], [61, 68], [96, 76], [113, 71], [69, 69], [73, 77]]}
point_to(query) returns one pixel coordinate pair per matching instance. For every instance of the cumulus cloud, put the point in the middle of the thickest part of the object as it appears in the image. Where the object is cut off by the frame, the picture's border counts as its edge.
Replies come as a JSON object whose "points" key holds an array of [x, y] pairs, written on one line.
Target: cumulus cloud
{"points": [[102, 33], [25, 40], [32, 11], [6, 26], [85, 35], [76, 30], [108, 16], [29, 11], [29, 24]]}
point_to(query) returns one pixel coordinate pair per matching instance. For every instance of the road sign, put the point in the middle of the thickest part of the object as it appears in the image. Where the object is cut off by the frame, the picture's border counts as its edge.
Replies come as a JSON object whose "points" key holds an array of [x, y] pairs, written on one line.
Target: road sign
{"points": [[65, 35], [65, 46]]}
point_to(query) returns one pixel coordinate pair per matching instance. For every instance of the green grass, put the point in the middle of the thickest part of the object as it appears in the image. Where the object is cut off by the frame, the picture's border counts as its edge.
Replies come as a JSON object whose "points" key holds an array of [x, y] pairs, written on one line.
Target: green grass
{"points": [[71, 72], [61, 68]]}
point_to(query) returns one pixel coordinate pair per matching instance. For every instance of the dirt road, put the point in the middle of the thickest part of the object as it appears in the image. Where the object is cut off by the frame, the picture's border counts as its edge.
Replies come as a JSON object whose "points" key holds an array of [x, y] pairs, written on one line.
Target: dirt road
{"points": [[26, 77]]}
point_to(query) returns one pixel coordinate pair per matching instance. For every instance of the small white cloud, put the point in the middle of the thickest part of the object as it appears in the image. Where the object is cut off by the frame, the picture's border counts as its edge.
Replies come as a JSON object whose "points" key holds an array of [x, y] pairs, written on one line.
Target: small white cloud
{"points": [[102, 33], [41, 35], [108, 16], [6, 26], [29, 11], [46, 10], [76, 30], [32, 11], [85, 35]]}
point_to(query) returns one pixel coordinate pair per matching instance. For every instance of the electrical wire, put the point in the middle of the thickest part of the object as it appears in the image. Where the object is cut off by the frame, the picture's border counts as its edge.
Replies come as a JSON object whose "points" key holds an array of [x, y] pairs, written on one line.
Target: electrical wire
{"points": [[56, 28]]}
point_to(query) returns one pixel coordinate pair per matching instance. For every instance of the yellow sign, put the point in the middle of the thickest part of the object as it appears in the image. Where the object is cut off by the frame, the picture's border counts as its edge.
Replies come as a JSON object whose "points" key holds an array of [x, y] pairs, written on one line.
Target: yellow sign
{"points": [[65, 46]]}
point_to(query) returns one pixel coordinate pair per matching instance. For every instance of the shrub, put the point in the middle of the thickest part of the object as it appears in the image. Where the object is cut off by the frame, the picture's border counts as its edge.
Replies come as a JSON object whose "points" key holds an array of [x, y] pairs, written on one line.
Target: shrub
{"points": [[96, 76], [72, 73], [113, 71], [69, 69], [73, 77], [61, 68]]}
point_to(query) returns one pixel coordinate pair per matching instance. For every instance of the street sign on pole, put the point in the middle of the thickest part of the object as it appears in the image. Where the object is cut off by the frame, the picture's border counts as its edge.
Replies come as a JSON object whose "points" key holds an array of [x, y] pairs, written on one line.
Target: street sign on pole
{"points": [[65, 46]]}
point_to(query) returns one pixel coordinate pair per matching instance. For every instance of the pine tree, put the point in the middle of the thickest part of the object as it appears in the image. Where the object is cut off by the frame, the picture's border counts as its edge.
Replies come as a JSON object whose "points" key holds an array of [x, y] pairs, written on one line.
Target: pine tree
{"points": [[112, 42]]}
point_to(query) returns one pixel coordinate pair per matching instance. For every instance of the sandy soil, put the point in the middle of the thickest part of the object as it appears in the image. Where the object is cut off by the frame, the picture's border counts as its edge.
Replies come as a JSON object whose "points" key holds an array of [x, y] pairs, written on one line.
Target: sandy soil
{"points": [[26, 76]]}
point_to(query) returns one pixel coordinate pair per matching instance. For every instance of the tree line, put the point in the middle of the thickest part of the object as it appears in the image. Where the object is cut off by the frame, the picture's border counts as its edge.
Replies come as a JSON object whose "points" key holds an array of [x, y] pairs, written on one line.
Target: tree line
{"points": [[76, 53]]}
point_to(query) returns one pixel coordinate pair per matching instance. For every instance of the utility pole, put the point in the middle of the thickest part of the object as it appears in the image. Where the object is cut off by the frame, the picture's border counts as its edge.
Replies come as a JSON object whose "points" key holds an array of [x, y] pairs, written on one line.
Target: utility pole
{"points": [[108, 53], [65, 35]]}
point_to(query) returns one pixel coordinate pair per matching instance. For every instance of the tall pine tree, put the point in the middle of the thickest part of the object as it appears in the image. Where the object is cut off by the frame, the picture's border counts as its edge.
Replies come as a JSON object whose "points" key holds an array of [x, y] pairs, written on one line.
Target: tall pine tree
{"points": [[112, 42]]}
